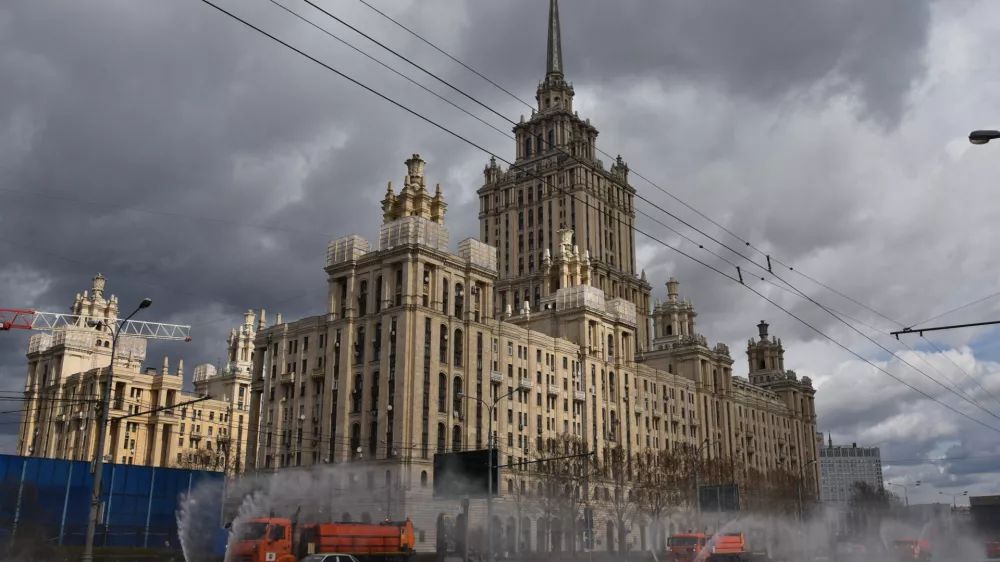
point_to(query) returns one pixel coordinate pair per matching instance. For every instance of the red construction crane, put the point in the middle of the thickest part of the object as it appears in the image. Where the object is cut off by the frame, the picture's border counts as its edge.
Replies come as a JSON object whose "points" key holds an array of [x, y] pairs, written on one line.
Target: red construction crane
{"points": [[15, 319]]}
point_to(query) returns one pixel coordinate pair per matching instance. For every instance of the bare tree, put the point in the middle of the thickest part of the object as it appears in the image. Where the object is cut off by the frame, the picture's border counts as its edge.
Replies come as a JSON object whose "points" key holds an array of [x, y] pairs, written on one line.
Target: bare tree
{"points": [[620, 502], [202, 459], [558, 495], [658, 485]]}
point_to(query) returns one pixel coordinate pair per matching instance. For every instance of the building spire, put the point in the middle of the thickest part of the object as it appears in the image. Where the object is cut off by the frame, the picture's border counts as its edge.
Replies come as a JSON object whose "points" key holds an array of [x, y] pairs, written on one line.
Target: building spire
{"points": [[553, 61]]}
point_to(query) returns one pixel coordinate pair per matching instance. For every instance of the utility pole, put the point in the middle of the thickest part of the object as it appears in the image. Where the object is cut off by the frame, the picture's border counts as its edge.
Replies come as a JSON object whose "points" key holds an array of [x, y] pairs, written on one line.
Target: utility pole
{"points": [[102, 428], [921, 331]]}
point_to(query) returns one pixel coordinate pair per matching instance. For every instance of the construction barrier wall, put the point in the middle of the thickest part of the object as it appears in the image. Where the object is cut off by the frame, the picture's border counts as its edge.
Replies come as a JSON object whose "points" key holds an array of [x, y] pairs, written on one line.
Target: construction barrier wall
{"points": [[49, 499]]}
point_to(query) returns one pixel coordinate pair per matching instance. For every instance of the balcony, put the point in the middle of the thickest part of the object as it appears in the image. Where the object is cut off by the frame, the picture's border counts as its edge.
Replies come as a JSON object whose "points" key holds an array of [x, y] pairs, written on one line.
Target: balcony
{"points": [[496, 377], [695, 422], [656, 414], [579, 396], [525, 384], [287, 378], [318, 373], [554, 390], [639, 410], [118, 403]]}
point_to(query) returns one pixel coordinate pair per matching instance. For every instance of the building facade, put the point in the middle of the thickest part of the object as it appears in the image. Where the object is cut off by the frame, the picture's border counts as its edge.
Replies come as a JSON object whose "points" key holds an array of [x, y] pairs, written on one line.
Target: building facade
{"points": [[67, 373], [412, 349], [841, 466]]}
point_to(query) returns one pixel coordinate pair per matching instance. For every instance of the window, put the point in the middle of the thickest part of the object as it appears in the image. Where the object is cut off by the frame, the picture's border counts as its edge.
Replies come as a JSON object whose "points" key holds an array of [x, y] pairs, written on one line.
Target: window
{"points": [[378, 293], [527, 147], [359, 346], [458, 346], [457, 393], [357, 395], [363, 299], [444, 296], [442, 393], [459, 300], [442, 437], [443, 345], [552, 141], [456, 438], [355, 438]]}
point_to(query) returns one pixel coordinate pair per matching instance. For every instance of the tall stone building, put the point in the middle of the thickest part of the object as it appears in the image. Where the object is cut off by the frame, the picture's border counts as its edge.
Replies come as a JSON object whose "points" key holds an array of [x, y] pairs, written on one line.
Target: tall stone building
{"points": [[67, 373], [557, 182], [415, 339]]}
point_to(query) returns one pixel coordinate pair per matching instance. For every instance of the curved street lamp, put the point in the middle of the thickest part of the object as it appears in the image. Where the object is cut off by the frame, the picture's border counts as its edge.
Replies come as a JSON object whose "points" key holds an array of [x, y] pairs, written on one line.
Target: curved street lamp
{"points": [[906, 488], [983, 136], [954, 497]]}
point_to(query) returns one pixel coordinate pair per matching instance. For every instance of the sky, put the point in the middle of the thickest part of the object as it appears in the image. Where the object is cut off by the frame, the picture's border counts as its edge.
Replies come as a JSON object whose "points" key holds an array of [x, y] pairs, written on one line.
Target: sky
{"points": [[194, 161]]}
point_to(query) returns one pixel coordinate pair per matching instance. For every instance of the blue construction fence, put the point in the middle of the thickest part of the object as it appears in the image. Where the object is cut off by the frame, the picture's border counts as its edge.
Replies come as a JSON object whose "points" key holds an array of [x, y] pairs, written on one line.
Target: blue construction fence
{"points": [[49, 499]]}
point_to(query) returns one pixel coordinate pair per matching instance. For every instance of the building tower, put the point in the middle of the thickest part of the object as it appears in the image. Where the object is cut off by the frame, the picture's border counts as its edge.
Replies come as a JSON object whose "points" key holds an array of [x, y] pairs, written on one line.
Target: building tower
{"points": [[766, 359], [566, 187]]}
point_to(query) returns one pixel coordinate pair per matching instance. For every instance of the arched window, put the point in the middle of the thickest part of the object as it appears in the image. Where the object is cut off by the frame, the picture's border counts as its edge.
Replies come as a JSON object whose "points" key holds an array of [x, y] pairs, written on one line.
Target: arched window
{"points": [[458, 346], [378, 293], [442, 393], [456, 438], [359, 346], [527, 147], [517, 301], [539, 192], [442, 437], [355, 439], [611, 345], [443, 351], [377, 342], [363, 299], [358, 394], [373, 439], [374, 391], [456, 392], [423, 478], [552, 138], [459, 300], [538, 144], [670, 329], [538, 296], [444, 296]]}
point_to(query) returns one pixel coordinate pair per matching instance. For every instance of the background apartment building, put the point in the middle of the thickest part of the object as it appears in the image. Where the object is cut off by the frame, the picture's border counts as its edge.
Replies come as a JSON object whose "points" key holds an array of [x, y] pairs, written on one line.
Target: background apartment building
{"points": [[840, 466], [67, 373]]}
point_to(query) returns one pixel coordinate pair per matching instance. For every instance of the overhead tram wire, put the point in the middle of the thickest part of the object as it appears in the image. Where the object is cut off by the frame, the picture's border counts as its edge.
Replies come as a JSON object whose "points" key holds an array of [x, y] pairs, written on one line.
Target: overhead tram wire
{"points": [[661, 209], [639, 175], [966, 373], [479, 147], [956, 309]]}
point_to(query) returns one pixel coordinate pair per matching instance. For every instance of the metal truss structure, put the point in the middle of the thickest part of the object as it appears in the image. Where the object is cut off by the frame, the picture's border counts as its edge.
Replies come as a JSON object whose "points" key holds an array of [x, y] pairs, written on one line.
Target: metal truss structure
{"points": [[15, 319]]}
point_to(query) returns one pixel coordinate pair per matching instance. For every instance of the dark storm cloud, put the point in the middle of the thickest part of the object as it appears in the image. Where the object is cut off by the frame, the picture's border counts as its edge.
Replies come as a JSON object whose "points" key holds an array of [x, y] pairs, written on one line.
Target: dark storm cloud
{"points": [[766, 50], [173, 107]]}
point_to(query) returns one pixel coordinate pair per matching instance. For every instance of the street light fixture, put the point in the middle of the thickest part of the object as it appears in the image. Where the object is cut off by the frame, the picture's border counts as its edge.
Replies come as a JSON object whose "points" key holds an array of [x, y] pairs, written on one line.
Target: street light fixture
{"points": [[489, 474], [802, 476], [906, 488], [102, 427], [954, 497], [983, 136]]}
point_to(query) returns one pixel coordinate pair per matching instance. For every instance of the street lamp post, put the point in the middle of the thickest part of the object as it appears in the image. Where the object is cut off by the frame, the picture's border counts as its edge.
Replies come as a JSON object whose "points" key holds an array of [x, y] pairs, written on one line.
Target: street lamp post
{"points": [[490, 466], [954, 498], [102, 427], [983, 136], [906, 487], [697, 483], [802, 476]]}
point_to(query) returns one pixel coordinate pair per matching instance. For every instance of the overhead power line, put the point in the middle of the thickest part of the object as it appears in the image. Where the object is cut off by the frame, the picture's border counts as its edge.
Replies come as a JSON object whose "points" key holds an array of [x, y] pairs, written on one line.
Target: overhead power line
{"points": [[956, 309], [590, 165], [530, 172], [632, 170]]}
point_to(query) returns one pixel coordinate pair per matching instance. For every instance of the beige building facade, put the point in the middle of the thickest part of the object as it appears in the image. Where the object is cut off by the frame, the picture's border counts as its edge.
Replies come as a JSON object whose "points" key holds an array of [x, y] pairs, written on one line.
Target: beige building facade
{"points": [[411, 346], [545, 315], [67, 373]]}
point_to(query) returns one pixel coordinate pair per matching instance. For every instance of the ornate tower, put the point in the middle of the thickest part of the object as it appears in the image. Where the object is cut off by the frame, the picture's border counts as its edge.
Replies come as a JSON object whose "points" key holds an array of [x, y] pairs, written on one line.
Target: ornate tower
{"points": [[568, 188]]}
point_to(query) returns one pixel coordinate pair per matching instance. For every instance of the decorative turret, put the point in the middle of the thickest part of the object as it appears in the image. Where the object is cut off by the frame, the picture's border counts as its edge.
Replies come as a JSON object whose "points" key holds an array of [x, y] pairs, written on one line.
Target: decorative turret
{"points": [[766, 357], [414, 200], [674, 319]]}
